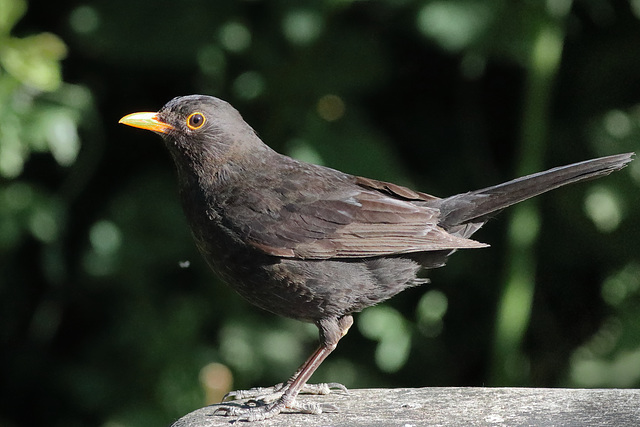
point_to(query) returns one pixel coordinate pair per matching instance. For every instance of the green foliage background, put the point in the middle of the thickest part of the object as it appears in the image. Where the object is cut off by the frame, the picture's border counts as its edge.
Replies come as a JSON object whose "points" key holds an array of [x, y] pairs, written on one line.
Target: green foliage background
{"points": [[108, 316]]}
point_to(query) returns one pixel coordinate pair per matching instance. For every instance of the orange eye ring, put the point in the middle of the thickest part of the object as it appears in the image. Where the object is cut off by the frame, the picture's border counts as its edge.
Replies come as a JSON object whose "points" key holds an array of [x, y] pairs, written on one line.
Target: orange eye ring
{"points": [[195, 120]]}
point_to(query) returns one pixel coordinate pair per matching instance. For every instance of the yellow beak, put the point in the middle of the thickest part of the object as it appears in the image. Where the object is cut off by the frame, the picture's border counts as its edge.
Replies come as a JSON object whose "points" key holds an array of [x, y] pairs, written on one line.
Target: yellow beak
{"points": [[148, 121]]}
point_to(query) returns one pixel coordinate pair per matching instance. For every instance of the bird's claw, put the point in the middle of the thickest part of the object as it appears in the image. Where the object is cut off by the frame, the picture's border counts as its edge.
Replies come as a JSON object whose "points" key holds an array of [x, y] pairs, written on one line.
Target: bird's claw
{"points": [[323, 388], [250, 411], [258, 411]]}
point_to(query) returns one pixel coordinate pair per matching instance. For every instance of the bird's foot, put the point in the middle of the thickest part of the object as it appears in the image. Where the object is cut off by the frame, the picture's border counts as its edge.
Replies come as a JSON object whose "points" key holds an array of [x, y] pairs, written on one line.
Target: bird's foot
{"points": [[258, 410], [261, 403], [269, 394]]}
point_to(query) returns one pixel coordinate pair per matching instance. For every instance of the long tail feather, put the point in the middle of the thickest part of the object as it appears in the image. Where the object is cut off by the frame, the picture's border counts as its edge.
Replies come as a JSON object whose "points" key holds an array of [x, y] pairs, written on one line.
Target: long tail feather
{"points": [[475, 206]]}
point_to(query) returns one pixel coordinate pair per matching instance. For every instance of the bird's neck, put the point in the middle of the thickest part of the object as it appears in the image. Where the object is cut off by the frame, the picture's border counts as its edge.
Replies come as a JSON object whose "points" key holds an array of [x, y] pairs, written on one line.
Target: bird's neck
{"points": [[212, 175]]}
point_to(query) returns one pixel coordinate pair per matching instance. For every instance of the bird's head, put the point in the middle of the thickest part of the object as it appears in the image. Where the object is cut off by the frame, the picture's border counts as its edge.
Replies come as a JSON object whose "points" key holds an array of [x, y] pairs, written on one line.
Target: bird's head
{"points": [[201, 132]]}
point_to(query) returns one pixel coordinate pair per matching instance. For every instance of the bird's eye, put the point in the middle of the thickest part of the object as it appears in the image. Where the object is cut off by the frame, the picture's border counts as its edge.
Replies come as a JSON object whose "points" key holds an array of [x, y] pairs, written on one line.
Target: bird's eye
{"points": [[195, 121]]}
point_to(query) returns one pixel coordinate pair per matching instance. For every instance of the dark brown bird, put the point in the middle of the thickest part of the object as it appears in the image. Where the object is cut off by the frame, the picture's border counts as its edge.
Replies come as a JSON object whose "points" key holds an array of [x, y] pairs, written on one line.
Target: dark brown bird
{"points": [[310, 242]]}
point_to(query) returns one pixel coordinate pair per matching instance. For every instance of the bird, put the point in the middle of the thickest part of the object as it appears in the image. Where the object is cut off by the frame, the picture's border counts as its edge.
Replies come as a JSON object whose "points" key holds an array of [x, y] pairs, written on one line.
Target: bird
{"points": [[313, 243]]}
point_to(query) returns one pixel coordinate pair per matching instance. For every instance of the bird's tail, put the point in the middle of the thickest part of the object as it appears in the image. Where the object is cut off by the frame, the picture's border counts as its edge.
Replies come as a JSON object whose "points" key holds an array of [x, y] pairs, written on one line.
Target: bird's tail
{"points": [[477, 206]]}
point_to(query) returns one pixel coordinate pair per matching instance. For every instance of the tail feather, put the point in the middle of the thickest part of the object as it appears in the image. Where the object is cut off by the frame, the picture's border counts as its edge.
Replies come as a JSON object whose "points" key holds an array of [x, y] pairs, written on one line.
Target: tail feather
{"points": [[475, 206]]}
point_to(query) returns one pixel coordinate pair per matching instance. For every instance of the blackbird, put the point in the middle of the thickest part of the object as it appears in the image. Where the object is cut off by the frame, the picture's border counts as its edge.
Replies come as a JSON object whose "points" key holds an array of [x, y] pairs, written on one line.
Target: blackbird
{"points": [[313, 243]]}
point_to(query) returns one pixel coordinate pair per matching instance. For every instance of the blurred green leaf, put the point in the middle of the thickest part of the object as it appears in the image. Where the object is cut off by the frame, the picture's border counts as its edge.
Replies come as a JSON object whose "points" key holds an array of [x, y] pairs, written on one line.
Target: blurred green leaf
{"points": [[456, 25], [10, 13], [35, 60]]}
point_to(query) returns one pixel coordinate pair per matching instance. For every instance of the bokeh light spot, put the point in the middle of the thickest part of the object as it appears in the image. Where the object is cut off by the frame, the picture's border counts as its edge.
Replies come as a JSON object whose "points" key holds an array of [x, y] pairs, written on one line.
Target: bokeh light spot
{"points": [[302, 27], [43, 225], [63, 139], [620, 285], [617, 123], [302, 150], [249, 85], [331, 107], [392, 353], [454, 25], [235, 37], [216, 380], [281, 346], [105, 237], [389, 328], [525, 225], [84, 19], [603, 207], [431, 308]]}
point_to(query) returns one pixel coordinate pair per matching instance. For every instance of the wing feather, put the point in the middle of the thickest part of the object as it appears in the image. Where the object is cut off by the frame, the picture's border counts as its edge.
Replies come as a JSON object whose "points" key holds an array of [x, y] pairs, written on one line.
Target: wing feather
{"points": [[359, 223]]}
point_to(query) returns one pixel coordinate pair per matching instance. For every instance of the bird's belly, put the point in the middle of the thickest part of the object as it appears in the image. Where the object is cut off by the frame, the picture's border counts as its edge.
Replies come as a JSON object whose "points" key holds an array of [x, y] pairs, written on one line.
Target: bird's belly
{"points": [[310, 290]]}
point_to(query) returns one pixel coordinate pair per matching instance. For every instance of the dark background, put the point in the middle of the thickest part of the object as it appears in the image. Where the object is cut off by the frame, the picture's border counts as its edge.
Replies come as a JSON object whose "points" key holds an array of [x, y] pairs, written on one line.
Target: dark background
{"points": [[103, 323]]}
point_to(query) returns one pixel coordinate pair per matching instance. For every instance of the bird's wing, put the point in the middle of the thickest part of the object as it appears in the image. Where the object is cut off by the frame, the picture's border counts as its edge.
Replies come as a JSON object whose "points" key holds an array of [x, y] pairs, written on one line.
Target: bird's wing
{"points": [[394, 190], [360, 222]]}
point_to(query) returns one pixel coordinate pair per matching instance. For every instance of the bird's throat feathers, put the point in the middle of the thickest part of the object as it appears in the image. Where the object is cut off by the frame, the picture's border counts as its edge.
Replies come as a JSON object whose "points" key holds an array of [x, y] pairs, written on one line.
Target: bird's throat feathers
{"points": [[218, 159]]}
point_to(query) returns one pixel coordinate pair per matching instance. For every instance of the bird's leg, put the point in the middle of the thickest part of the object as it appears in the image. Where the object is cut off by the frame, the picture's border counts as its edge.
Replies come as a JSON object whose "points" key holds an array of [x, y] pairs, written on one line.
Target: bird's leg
{"points": [[331, 330]]}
